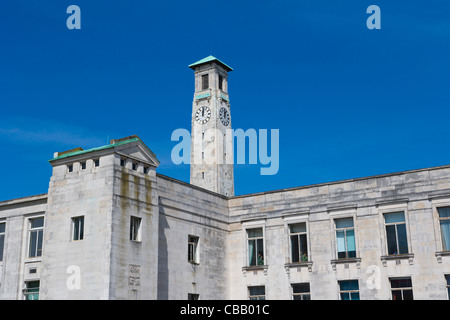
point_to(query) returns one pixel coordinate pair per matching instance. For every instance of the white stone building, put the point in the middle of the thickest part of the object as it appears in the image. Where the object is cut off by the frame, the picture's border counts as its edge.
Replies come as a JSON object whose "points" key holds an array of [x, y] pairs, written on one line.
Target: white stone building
{"points": [[111, 227]]}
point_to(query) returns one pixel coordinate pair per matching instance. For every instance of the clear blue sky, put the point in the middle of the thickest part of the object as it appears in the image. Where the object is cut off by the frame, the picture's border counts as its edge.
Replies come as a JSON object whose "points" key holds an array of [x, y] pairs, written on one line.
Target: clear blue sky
{"points": [[348, 101]]}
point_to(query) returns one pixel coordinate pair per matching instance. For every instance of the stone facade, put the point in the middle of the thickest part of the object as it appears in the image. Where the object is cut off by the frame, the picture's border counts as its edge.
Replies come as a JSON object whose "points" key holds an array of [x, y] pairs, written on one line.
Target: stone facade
{"points": [[111, 227]]}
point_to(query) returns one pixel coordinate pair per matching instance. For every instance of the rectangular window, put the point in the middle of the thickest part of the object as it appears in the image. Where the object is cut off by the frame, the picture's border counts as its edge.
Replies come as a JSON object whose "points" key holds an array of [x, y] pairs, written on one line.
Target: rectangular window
{"points": [[401, 289], [255, 247], [192, 249], [397, 242], [146, 170], [444, 222], [205, 82], [135, 229], [83, 165], [299, 243], [78, 228], [31, 290], [2, 239], [349, 290], [96, 162], [220, 82], [122, 162], [70, 168], [193, 296], [301, 291], [134, 166], [36, 233], [447, 279], [257, 293], [345, 238]]}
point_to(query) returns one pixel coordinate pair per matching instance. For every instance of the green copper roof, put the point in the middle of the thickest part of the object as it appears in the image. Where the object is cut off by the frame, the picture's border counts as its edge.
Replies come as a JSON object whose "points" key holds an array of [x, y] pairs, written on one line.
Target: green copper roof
{"points": [[210, 59], [70, 154]]}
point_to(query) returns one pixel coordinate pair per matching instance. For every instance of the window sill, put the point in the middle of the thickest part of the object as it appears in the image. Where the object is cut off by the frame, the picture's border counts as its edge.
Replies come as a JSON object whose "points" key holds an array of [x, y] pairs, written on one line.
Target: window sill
{"points": [[398, 258], [255, 269], [346, 262], [299, 265]]}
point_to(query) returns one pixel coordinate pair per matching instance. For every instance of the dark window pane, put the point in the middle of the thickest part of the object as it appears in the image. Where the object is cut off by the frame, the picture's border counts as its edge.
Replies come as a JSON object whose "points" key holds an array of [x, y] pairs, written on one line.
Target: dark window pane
{"points": [[354, 295], [345, 296], [303, 247], [402, 239], [2, 227], [349, 285], [37, 223], [394, 217], [260, 248], [444, 212], [252, 252], [397, 295], [295, 249], [407, 295], [401, 283], [2, 244], [391, 239], [300, 287]]}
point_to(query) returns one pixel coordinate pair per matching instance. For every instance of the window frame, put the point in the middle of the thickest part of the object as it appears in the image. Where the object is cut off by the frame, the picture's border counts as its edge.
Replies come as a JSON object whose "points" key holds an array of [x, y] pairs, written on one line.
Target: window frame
{"points": [[396, 224], [40, 237], [256, 238], [30, 291], [345, 229], [135, 233], [393, 207], [440, 226], [2, 240], [80, 232], [203, 81], [256, 296], [401, 289], [349, 292], [301, 295], [193, 255], [298, 235]]}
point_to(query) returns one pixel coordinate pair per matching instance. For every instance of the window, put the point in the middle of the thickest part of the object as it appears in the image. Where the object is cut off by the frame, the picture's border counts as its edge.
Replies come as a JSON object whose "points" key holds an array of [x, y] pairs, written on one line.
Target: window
{"points": [[134, 166], [349, 290], [36, 234], [193, 296], [397, 242], [345, 238], [401, 289], [83, 165], [257, 293], [444, 222], [122, 162], [205, 82], [299, 244], [255, 247], [2, 239], [31, 290], [192, 249], [78, 228], [96, 162], [301, 291], [220, 82], [447, 278], [135, 226], [146, 170], [70, 168]]}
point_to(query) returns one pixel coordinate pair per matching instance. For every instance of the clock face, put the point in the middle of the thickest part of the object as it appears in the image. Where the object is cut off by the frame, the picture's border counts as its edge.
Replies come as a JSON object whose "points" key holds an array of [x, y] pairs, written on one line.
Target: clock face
{"points": [[202, 115], [224, 116]]}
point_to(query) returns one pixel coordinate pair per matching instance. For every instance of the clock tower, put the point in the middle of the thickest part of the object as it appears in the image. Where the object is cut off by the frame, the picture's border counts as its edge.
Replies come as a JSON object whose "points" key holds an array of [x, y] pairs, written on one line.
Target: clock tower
{"points": [[211, 145]]}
